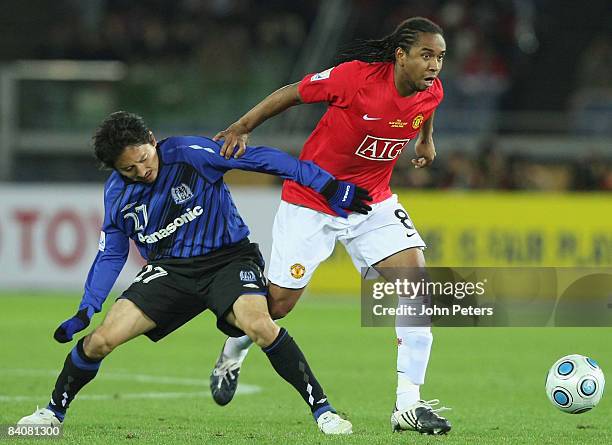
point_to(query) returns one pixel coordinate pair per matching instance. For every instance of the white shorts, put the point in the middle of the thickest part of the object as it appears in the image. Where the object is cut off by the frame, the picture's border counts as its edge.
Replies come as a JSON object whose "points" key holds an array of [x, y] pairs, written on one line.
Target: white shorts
{"points": [[302, 238]]}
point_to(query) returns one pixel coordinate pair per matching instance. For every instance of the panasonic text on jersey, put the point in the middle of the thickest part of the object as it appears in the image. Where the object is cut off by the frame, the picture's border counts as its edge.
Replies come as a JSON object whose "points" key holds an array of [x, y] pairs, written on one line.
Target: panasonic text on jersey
{"points": [[185, 218]]}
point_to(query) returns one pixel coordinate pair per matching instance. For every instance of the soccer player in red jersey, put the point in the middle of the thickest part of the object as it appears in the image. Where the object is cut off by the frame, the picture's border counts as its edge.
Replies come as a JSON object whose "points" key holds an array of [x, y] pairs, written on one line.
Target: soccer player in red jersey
{"points": [[382, 96]]}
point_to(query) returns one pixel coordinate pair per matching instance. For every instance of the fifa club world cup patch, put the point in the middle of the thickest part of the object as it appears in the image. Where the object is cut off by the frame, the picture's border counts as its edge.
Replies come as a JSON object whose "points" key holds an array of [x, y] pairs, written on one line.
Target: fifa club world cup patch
{"points": [[417, 121], [297, 271], [181, 193], [247, 275], [398, 123]]}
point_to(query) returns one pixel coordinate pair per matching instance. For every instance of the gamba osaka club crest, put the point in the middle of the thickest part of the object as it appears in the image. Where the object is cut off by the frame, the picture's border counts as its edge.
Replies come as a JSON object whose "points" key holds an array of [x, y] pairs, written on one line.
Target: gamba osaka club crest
{"points": [[181, 193]]}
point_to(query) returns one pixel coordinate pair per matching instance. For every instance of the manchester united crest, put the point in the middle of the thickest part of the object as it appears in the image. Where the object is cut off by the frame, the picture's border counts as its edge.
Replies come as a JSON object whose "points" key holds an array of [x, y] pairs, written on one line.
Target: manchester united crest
{"points": [[417, 121], [297, 271]]}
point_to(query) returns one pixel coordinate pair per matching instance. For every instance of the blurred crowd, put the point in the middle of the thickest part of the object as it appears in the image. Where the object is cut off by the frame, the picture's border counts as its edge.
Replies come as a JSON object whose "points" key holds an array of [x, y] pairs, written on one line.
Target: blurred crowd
{"points": [[220, 33], [492, 168], [194, 61], [502, 54]]}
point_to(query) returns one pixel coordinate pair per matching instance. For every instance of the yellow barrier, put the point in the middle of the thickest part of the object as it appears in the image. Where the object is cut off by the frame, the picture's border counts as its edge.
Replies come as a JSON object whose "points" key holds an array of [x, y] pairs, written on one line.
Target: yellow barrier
{"points": [[495, 229]]}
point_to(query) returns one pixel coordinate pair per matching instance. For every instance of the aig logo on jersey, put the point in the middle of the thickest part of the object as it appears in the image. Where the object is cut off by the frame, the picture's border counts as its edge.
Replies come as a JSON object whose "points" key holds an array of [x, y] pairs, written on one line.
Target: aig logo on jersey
{"points": [[381, 149], [181, 193]]}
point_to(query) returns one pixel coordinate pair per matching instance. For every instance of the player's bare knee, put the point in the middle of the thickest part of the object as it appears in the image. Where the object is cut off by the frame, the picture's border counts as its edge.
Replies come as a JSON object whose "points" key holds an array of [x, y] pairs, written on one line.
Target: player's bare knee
{"points": [[261, 329], [99, 345]]}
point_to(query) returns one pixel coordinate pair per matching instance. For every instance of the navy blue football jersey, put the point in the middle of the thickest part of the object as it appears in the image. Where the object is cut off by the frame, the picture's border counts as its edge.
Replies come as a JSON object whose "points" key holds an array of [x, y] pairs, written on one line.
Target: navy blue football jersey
{"points": [[187, 212]]}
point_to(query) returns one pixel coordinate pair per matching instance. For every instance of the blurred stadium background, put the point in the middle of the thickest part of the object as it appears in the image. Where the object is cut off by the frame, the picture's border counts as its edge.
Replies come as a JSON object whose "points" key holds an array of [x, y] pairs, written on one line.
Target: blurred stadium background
{"points": [[525, 124]]}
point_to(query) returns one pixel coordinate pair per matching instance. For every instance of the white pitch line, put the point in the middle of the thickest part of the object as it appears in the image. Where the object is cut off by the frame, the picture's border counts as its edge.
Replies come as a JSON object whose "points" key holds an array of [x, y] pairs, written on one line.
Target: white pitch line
{"points": [[243, 388], [145, 378], [114, 376]]}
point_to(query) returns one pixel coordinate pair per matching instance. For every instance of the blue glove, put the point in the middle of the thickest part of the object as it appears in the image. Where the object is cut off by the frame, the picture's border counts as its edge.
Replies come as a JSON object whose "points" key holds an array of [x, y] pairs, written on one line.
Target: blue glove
{"points": [[68, 328], [343, 195]]}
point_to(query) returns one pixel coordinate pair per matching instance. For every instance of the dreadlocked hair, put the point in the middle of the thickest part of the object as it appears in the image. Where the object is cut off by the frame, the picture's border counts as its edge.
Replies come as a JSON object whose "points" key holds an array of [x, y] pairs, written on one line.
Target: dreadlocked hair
{"points": [[383, 50]]}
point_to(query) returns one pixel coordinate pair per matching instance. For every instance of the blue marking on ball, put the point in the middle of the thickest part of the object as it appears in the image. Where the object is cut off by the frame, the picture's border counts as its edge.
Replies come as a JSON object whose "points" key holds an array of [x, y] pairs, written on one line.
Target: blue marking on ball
{"points": [[592, 362], [561, 398], [588, 387], [565, 368]]}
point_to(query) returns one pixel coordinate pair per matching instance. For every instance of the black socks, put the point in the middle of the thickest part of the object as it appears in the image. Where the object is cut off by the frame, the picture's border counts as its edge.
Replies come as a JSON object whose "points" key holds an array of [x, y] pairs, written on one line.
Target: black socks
{"points": [[291, 365], [78, 370]]}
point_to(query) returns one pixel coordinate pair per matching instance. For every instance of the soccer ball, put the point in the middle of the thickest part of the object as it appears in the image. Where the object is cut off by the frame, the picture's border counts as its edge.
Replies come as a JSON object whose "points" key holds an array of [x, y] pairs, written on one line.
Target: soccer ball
{"points": [[575, 384]]}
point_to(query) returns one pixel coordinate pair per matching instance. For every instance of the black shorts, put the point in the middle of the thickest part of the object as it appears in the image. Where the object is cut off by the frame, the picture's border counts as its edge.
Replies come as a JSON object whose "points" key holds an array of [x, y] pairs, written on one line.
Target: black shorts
{"points": [[173, 291]]}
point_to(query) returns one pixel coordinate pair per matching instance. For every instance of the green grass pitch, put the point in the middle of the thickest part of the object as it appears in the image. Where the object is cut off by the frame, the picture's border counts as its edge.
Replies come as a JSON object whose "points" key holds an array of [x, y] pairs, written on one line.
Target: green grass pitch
{"points": [[493, 378]]}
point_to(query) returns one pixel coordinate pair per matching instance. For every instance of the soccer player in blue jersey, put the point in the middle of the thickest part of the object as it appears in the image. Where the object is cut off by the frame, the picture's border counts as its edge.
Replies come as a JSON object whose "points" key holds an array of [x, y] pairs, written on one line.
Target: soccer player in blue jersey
{"points": [[170, 199]]}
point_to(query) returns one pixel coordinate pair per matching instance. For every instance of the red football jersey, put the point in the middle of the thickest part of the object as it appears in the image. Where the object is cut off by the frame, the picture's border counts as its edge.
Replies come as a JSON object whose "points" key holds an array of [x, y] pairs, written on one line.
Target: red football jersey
{"points": [[365, 128]]}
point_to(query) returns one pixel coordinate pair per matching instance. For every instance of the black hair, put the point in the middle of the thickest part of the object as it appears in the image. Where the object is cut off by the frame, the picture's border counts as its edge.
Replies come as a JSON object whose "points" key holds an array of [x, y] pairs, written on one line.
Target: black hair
{"points": [[119, 130], [383, 50]]}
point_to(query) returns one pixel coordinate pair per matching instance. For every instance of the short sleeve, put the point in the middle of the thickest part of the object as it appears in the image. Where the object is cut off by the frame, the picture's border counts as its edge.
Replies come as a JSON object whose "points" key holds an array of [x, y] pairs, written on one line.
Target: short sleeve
{"points": [[336, 85]]}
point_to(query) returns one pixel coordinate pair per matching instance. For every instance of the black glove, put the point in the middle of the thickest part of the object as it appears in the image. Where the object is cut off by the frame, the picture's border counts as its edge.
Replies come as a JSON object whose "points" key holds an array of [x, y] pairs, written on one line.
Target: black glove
{"points": [[343, 195], [68, 328]]}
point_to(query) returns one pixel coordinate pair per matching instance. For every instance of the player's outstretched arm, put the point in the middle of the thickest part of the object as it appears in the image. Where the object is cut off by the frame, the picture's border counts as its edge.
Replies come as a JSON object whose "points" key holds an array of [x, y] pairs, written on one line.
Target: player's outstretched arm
{"points": [[102, 275], [340, 195], [236, 135]]}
